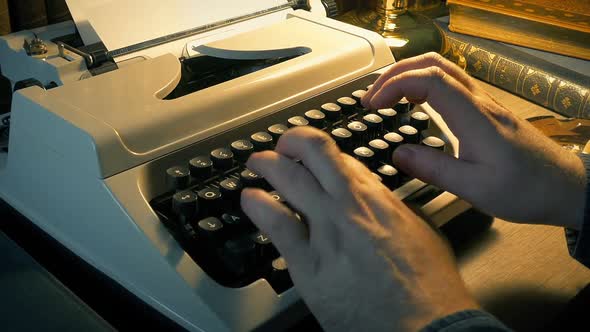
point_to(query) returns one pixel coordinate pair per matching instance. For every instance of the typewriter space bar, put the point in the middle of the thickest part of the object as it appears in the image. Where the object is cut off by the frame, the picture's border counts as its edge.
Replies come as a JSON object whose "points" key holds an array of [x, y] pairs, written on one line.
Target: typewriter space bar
{"points": [[440, 209]]}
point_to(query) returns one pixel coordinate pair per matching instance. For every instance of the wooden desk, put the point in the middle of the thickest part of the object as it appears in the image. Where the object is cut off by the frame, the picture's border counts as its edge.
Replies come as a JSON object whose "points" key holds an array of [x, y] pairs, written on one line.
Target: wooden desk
{"points": [[523, 274]]}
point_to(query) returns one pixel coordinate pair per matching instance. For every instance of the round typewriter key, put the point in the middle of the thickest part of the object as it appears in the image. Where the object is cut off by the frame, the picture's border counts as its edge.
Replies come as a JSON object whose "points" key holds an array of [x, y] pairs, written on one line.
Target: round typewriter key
{"points": [[184, 205], [358, 95], [209, 200], [394, 140], [211, 227], [265, 250], [343, 138], [276, 130], [316, 118], [410, 134], [434, 142], [230, 189], [381, 149], [297, 121], [403, 106], [369, 87], [201, 167], [279, 275], [419, 120], [390, 176], [242, 149], [389, 116], [364, 155], [177, 178], [332, 111], [222, 158], [358, 130], [239, 255], [262, 141], [374, 124], [251, 179], [347, 104]]}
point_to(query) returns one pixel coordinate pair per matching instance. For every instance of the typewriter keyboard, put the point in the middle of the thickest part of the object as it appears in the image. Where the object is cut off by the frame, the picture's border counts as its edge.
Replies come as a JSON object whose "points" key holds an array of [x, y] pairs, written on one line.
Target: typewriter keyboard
{"points": [[202, 206]]}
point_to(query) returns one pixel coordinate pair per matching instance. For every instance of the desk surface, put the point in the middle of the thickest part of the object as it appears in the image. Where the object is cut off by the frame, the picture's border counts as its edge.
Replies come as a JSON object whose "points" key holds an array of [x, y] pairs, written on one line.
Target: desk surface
{"points": [[521, 273]]}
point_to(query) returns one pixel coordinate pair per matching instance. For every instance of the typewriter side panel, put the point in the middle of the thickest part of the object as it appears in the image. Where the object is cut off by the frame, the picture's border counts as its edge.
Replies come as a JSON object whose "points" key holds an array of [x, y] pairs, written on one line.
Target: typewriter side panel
{"points": [[77, 209]]}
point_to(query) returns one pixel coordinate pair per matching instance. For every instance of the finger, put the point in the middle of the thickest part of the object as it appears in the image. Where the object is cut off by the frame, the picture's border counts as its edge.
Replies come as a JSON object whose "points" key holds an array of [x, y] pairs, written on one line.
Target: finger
{"points": [[440, 169], [359, 171], [288, 234], [319, 154], [420, 62], [447, 96], [295, 182]]}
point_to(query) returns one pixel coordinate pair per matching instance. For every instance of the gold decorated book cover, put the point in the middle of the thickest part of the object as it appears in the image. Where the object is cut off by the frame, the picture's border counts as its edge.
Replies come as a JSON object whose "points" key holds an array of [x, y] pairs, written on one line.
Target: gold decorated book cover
{"points": [[559, 26]]}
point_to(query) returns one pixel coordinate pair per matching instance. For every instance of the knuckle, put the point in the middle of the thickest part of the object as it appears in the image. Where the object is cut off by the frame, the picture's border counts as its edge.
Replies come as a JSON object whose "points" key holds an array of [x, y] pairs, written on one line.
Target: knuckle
{"points": [[434, 58]]}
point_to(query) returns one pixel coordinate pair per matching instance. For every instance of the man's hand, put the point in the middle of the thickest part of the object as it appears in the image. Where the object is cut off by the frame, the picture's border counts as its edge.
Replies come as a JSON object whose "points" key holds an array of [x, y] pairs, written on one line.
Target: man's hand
{"points": [[506, 167], [364, 261]]}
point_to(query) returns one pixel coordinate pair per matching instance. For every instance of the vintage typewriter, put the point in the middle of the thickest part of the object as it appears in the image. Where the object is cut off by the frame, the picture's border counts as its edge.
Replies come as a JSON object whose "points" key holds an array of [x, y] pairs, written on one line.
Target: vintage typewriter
{"points": [[130, 153]]}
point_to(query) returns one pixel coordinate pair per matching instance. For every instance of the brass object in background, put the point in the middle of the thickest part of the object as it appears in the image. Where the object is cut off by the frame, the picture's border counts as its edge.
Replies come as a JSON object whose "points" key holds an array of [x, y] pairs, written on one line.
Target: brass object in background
{"points": [[572, 134], [408, 30]]}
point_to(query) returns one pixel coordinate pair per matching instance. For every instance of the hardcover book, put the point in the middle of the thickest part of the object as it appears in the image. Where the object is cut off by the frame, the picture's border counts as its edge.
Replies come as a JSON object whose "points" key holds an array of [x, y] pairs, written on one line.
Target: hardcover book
{"points": [[556, 26], [543, 82]]}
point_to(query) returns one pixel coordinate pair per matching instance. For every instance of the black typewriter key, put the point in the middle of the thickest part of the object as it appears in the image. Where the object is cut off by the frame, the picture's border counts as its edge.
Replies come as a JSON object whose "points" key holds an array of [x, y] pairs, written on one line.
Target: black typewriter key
{"points": [[177, 178], [209, 201], [434, 142], [239, 255], [297, 121], [394, 140], [381, 149], [410, 134], [230, 189], [201, 167], [316, 118], [333, 111], [279, 275], [237, 222], [403, 106], [389, 175], [251, 179], [347, 104], [364, 155], [358, 95], [262, 141], [184, 205], [276, 130], [265, 250], [359, 132], [374, 124], [242, 149], [276, 196], [389, 116], [343, 138], [211, 228], [419, 120], [222, 158]]}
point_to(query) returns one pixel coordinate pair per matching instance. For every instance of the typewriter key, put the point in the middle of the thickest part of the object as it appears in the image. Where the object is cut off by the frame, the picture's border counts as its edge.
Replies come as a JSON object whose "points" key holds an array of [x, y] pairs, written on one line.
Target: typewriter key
{"points": [[434, 142], [177, 178], [201, 167]]}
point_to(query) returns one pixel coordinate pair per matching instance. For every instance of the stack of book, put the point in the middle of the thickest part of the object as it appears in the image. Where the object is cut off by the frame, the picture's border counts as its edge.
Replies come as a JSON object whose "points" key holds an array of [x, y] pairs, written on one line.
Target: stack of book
{"points": [[477, 39]]}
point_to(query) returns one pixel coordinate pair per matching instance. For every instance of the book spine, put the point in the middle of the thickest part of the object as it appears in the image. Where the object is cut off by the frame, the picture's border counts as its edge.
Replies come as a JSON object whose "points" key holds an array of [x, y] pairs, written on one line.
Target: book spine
{"points": [[516, 76]]}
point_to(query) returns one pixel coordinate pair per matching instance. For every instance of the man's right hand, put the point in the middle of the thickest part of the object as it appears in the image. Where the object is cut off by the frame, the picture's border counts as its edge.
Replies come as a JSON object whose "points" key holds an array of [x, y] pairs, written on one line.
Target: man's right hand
{"points": [[505, 168]]}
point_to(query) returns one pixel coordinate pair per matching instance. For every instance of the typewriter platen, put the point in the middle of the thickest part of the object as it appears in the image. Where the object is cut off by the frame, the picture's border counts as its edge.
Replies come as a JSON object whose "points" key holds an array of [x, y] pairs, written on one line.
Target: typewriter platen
{"points": [[142, 162]]}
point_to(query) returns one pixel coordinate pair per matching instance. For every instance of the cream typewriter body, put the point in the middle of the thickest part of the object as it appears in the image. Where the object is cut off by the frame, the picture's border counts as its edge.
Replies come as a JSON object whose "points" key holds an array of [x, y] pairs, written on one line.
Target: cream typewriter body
{"points": [[88, 159]]}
